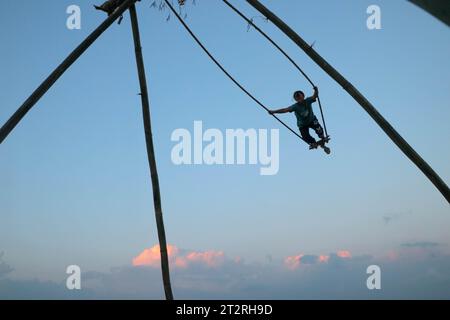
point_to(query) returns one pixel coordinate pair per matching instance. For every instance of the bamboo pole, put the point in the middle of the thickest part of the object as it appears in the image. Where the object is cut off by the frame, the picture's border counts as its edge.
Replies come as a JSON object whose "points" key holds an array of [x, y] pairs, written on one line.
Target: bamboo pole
{"points": [[151, 155], [438, 8]]}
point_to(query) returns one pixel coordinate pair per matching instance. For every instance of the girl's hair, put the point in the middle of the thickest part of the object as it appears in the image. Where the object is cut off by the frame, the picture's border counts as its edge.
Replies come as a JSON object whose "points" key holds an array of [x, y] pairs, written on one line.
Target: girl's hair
{"points": [[296, 93]]}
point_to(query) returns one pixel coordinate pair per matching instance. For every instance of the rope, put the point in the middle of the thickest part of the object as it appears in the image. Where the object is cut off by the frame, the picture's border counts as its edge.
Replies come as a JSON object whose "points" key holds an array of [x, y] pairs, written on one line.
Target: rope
{"points": [[284, 53], [225, 71]]}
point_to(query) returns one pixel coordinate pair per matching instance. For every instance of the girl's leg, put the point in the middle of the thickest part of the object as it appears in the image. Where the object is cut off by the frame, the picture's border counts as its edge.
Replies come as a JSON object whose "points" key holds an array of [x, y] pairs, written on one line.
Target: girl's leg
{"points": [[317, 128], [304, 131], [319, 131]]}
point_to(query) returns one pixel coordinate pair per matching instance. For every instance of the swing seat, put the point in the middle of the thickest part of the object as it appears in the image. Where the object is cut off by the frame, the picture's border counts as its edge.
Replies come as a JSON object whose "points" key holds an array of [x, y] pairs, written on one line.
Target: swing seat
{"points": [[321, 143]]}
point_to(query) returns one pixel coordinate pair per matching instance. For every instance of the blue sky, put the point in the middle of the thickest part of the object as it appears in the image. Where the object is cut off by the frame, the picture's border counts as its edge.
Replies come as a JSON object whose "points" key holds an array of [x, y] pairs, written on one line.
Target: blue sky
{"points": [[75, 186]]}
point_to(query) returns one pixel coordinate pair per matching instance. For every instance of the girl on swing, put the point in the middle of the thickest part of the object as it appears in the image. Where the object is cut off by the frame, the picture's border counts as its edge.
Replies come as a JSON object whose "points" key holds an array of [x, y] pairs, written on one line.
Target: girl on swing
{"points": [[306, 119]]}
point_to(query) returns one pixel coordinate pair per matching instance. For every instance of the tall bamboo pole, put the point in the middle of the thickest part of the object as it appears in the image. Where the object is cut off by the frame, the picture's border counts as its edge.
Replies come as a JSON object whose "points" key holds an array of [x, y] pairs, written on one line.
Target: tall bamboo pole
{"points": [[438, 8], [151, 155]]}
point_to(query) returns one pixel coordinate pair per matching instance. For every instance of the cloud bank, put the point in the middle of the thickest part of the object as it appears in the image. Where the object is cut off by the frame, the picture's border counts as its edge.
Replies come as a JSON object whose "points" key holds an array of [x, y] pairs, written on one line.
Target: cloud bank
{"points": [[408, 272]]}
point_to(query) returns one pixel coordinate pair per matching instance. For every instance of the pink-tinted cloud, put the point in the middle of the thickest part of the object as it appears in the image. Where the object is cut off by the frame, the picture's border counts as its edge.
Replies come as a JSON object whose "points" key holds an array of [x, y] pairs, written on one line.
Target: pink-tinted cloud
{"points": [[293, 262], [151, 257], [181, 262], [210, 258], [344, 254], [296, 261]]}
